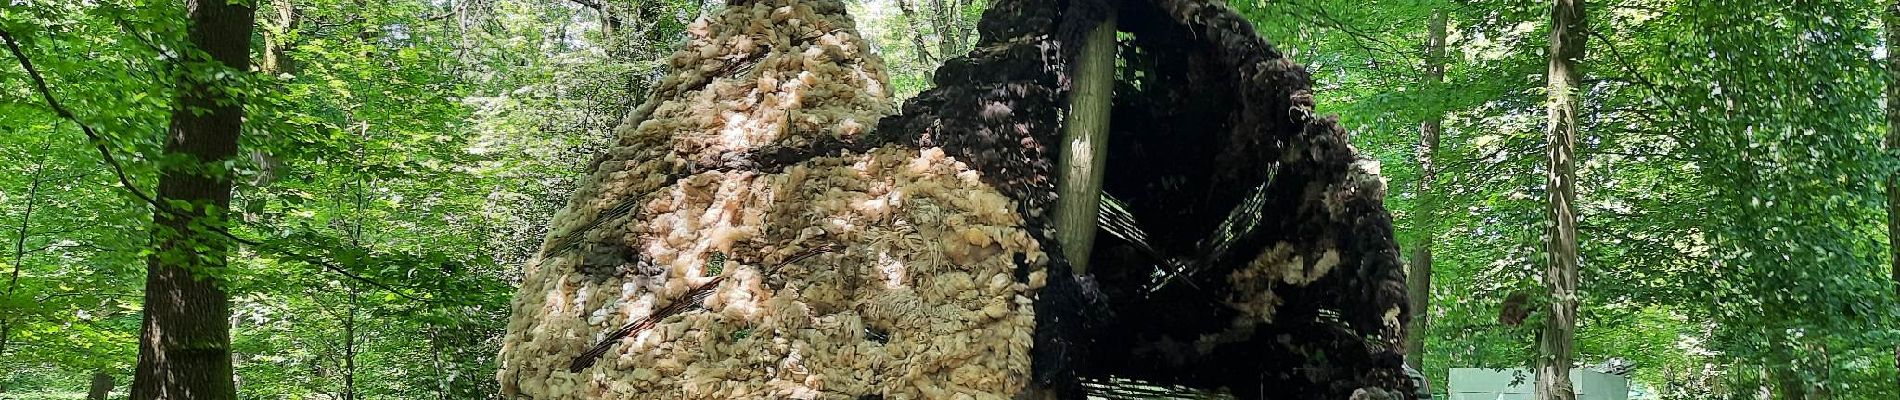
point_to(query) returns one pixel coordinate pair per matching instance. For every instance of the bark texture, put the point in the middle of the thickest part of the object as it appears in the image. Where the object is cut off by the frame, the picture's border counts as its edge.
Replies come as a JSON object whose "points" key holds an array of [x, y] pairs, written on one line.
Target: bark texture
{"points": [[918, 259], [1555, 344], [185, 342]]}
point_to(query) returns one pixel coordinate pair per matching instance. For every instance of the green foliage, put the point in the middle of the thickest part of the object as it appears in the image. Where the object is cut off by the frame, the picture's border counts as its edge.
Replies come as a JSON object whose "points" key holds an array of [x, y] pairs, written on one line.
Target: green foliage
{"points": [[74, 306], [1731, 221], [400, 161], [912, 44], [715, 264], [401, 164]]}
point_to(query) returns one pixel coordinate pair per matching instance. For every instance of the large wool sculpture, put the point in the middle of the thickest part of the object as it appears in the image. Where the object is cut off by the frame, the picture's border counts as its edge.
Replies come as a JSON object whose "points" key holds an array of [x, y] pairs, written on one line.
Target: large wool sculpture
{"points": [[769, 226]]}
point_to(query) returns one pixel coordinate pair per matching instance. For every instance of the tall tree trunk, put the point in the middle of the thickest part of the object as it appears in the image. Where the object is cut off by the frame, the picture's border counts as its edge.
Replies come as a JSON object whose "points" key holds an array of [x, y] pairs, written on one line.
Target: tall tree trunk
{"points": [[944, 15], [1555, 344], [185, 343], [1083, 161], [276, 59], [101, 386], [1823, 367], [609, 25], [1766, 391], [916, 37], [1893, 143], [1419, 280], [435, 356], [1783, 381], [280, 23], [464, 23], [356, 193]]}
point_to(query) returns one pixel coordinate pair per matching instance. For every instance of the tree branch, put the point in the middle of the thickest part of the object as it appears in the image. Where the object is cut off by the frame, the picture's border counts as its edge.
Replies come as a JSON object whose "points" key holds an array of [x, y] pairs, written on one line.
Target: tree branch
{"points": [[105, 153], [98, 142], [601, 7], [1636, 77]]}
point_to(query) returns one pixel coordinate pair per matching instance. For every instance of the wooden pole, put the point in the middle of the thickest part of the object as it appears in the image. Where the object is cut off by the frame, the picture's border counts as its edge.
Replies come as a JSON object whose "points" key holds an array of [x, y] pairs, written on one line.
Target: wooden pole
{"points": [[1083, 160]]}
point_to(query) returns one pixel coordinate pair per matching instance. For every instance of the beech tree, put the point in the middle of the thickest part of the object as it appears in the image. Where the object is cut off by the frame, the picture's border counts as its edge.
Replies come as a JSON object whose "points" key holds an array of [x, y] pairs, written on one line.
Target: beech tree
{"points": [[1555, 348], [185, 345]]}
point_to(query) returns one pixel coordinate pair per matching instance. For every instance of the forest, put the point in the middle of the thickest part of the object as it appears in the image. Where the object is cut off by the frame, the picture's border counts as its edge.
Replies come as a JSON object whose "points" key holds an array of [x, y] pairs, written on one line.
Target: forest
{"points": [[948, 199]]}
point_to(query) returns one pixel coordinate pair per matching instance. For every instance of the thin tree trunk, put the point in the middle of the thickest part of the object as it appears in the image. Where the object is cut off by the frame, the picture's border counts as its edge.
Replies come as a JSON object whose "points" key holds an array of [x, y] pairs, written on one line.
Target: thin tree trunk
{"points": [[464, 23], [1555, 344], [435, 355], [608, 25], [1419, 281], [349, 346], [1893, 143], [916, 37], [962, 34], [1083, 161], [1783, 381], [354, 230], [19, 247], [276, 58], [185, 341], [281, 23], [1823, 369], [1766, 389], [945, 18], [101, 386]]}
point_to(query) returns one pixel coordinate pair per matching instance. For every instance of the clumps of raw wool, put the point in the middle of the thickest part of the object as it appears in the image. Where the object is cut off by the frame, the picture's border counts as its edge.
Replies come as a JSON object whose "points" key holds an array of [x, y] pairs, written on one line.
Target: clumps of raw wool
{"points": [[1281, 265], [1254, 294], [890, 273], [771, 74], [754, 80], [1362, 181], [893, 272]]}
